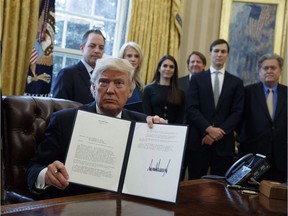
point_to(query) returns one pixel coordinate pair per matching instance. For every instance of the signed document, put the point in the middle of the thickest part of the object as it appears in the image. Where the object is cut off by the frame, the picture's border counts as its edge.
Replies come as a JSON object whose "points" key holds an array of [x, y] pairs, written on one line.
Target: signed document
{"points": [[125, 156]]}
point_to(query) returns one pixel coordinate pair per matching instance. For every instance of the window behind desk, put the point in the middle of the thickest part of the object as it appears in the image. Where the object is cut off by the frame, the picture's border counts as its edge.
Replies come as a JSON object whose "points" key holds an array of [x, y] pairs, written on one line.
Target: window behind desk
{"points": [[74, 18]]}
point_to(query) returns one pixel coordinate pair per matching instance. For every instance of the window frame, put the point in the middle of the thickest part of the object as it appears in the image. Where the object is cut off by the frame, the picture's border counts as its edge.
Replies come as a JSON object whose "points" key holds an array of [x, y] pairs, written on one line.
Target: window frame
{"points": [[121, 22]]}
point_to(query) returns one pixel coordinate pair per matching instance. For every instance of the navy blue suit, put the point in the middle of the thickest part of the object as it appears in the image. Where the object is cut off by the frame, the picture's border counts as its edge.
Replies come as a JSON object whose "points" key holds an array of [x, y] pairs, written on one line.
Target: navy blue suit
{"points": [[55, 147], [73, 83], [201, 113], [262, 134]]}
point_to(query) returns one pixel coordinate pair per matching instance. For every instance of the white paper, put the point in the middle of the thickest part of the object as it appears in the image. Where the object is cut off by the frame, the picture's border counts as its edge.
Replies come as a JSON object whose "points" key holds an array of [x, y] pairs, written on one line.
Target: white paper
{"points": [[96, 152], [155, 160]]}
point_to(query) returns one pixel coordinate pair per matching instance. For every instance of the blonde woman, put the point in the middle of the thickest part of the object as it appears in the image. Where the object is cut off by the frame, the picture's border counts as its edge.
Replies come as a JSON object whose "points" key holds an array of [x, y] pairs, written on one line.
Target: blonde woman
{"points": [[133, 53]]}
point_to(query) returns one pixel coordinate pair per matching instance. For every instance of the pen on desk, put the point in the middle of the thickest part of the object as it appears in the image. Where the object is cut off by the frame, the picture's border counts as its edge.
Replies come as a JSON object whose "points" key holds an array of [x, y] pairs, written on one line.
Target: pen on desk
{"points": [[234, 186], [249, 192]]}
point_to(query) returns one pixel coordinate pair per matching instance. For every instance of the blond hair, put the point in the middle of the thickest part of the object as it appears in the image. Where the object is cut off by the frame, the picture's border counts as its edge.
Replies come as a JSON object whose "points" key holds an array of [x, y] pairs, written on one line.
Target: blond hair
{"points": [[137, 73]]}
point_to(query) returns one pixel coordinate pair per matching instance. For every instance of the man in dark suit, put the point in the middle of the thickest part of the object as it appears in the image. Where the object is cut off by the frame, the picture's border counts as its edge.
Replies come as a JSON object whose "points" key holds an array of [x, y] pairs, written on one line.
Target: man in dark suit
{"points": [[111, 86], [213, 119], [263, 132], [73, 82], [196, 63]]}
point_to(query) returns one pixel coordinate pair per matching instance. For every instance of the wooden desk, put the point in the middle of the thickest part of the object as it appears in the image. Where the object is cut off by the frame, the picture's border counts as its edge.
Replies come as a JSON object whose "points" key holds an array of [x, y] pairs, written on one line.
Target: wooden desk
{"points": [[197, 197]]}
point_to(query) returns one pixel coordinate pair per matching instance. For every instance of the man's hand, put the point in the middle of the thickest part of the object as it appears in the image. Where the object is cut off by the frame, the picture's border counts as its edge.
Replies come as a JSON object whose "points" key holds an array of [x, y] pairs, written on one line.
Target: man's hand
{"points": [[57, 175], [207, 140], [155, 119], [215, 133]]}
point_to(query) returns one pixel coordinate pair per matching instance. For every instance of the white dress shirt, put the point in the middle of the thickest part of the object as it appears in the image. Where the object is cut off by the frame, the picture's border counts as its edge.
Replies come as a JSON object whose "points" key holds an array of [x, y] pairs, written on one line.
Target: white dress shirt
{"points": [[87, 66]]}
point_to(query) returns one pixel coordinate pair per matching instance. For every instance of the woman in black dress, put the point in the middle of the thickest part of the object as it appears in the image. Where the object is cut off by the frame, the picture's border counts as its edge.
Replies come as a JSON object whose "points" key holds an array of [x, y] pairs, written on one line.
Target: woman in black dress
{"points": [[163, 97]]}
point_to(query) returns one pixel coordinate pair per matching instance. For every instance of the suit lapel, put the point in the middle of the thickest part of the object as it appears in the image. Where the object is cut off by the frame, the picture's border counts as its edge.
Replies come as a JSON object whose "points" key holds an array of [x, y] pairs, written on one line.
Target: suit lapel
{"points": [[280, 100], [187, 82], [91, 107], [260, 97], [225, 87], [184, 83], [125, 115], [82, 73], [207, 80]]}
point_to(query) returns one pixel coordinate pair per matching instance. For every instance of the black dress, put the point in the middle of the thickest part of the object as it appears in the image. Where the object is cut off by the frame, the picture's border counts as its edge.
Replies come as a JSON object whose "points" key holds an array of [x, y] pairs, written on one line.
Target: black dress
{"points": [[155, 102]]}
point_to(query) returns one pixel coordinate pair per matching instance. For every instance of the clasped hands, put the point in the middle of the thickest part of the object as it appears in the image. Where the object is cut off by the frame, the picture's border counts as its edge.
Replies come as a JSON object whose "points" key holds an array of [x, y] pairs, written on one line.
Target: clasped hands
{"points": [[213, 134], [57, 174]]}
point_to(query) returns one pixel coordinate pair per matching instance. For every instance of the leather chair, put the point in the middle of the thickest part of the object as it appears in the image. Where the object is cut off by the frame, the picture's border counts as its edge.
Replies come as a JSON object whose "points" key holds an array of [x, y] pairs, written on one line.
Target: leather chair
{"points": [[25, 119]]}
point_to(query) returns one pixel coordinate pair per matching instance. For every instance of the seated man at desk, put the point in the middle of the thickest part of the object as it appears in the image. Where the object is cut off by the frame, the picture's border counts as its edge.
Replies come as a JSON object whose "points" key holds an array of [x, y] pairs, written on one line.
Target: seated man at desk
{"points": [[111, 86]]}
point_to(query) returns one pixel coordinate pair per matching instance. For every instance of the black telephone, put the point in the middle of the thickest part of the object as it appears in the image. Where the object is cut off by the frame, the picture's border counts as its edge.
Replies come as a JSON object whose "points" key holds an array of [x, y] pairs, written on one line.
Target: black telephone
{"points": [[245, 171]]}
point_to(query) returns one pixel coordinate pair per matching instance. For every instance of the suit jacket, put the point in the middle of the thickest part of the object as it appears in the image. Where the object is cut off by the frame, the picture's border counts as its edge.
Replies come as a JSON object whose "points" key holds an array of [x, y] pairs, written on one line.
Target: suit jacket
{"points": [[183, 83], [73, 83], [201, 111], [55, 147], [261, 134]]}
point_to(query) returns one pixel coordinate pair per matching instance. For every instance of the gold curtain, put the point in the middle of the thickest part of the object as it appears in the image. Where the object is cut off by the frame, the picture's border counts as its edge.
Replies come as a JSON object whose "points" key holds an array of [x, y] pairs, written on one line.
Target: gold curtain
{"points": [[20, 23], [1, 30], [156, 26]]}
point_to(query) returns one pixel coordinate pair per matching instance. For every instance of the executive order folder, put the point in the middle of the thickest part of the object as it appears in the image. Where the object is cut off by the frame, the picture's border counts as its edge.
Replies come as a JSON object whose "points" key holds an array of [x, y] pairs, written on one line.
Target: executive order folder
{"points": [[125, 156]]}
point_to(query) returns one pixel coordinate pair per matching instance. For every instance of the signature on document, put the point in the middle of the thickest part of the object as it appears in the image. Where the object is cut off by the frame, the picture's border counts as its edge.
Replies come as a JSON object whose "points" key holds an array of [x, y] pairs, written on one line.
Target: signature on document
{"points": [[158, 168]]}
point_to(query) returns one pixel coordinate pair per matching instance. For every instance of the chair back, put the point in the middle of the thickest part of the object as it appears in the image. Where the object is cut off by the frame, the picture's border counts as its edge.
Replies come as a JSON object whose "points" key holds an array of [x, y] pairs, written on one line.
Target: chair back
{"points": [[25, 119]]}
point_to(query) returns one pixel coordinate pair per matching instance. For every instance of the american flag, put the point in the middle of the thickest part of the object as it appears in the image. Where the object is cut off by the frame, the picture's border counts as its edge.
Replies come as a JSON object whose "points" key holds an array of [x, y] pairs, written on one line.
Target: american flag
{"points": [[37, 53]]}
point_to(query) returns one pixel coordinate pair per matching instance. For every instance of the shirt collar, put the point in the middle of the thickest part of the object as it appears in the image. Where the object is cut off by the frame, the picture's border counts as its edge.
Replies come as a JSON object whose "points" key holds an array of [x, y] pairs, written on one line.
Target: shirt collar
{"points": [[265, 87], [100, 112], [212, 70], [87, 66]]}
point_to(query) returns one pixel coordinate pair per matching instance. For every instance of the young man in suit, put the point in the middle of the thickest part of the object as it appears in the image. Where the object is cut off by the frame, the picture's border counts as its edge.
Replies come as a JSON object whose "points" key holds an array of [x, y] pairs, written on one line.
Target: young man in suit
{"points": [[214, 110], [73, 82], [263, 132], [111, 86]]}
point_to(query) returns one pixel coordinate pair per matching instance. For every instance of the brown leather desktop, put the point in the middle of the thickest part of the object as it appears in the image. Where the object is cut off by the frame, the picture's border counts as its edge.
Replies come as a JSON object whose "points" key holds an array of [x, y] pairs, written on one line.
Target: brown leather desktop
{"points": [[196, 197]]}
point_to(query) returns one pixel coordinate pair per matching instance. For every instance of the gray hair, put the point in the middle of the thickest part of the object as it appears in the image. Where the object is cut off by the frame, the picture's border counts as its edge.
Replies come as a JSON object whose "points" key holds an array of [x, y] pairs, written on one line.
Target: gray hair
{"points": [[112, 63], [269, 56]]}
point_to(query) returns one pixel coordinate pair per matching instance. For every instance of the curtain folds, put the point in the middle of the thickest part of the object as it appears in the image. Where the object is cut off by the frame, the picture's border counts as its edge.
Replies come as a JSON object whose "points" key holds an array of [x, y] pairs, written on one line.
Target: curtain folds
{"points": [[156, 26], [20, 23], [1, 30]]}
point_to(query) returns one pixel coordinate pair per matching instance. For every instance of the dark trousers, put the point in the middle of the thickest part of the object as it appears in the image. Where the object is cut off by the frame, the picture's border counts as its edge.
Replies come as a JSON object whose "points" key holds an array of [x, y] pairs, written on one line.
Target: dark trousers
{"points": [[186, 157], [200, 161]]}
